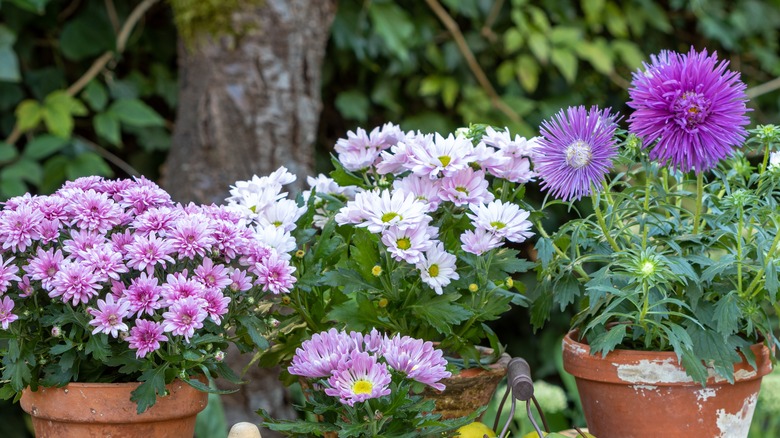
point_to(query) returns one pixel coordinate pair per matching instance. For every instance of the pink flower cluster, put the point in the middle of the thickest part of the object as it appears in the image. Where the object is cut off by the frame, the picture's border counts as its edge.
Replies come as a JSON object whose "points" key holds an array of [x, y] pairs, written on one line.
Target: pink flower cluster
{"points": [[428, 172], [358, 367], [142, 268]]}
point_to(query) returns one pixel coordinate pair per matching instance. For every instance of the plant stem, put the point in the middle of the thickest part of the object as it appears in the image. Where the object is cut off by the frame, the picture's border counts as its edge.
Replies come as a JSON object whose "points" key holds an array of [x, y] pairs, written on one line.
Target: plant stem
{"points": [[699, 201], [602, 223], [646, 207], [740, 226], [751, 289], [543, 233]]}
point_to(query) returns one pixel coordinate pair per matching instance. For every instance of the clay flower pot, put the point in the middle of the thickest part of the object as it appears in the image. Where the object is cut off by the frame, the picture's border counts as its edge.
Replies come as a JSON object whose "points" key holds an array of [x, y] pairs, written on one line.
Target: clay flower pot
{"points": [[470, 389], [85, 410], [632, 393]]}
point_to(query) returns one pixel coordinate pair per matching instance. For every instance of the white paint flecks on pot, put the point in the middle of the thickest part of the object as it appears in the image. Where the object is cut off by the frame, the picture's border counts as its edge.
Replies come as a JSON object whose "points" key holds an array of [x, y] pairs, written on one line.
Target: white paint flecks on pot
{"points": [[652, 371], [738, 423]]}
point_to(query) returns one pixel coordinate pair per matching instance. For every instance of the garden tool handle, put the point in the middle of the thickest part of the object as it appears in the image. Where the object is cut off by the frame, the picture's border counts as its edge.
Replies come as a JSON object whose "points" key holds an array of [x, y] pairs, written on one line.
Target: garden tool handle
{"points": [[519, 379]]}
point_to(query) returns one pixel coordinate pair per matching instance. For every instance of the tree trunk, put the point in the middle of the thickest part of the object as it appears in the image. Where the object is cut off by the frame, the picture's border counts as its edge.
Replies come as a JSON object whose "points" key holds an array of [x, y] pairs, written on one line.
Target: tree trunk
{"points": [[248, 105]]}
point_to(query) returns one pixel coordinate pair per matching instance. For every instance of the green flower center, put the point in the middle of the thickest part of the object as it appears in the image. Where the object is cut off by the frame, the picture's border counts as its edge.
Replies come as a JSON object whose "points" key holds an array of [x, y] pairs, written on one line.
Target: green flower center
{"points": [[404, 243], [497, 225], [387, 217], [445, 160], [362, 387], [433, 271], [578, 154], [462, 190]]}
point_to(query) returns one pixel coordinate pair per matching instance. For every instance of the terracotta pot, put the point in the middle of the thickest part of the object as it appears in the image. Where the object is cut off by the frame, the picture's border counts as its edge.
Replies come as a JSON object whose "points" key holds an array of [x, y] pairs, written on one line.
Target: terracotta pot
{"points": [[85, 410], [470, 389], [633, 393]]}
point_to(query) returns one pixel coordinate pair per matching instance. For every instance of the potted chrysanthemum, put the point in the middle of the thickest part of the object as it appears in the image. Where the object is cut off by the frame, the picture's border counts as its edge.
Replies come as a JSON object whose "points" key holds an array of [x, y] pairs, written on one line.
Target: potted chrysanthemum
{"points": [[674, 262], [413, 234], [108, 284]]}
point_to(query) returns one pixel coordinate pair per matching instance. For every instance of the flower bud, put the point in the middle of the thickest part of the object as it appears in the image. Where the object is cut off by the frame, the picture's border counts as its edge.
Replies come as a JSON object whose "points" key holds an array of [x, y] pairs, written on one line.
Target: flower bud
{"points": [[275, 322], [219, 355], [473, 287], [383, 303], [509, 282], [300, 253], [56, 331], [376, 271], [285, 300]]}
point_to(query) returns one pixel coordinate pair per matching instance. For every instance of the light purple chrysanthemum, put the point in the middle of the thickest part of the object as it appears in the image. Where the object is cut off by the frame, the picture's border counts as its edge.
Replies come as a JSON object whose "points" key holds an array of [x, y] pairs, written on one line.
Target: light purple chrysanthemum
{"points": [[240, 282], [105, 261], [82, 242], [400, 157], [576, 151], [692, 105], [49, 230], [185, 316], [143, 295], [147, 251], [465, 187], [7, 274], [191, 236], [144, 195], [423, 188], [94, 211], [18, 228], [156, 220], [320, 356], [107, 318], [505, 220], [437, 268], [274, 274], [358, 379], [479, 241], [216, 304], [145, 337], [211, 275], [417, 359], [6, 315], [44, 266], [75, 282], [178, 286], [26, 288]]}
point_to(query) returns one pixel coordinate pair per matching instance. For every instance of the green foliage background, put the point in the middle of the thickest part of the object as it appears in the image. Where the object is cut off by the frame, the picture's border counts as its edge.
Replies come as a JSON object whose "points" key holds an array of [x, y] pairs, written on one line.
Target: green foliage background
{"points": [[386, 61]]}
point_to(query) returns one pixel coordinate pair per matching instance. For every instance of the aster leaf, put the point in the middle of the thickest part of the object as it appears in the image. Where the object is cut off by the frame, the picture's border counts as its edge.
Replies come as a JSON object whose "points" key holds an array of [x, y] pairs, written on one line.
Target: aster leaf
{"points": [[715, 349], [727, 314], [607, 340]]}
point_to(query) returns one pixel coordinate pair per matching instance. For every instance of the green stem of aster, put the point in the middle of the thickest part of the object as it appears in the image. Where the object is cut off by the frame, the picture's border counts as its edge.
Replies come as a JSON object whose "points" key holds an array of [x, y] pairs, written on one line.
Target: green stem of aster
{"points": [[543, 233], [699, 201], [600, 218]]}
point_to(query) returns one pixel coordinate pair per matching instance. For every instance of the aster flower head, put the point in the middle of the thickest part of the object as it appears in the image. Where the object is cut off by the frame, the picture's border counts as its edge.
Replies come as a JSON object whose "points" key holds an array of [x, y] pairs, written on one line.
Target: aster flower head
{"points": [[358, 379], [8, 273], [437, 268], [320, 356], [445, 156], [576, 151], [689, 109], [380, 210], [504, 220], [417, 359]]}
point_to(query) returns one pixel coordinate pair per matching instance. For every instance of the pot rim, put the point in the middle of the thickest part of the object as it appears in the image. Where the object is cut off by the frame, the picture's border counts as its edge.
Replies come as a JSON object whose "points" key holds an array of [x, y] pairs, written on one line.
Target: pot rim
{"points": [[658, 368]]}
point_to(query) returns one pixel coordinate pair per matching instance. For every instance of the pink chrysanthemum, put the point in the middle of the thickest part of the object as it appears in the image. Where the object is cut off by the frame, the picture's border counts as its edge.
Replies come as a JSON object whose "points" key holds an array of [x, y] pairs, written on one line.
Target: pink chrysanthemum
{"points": [[178, 286], [211, 275], [692, 105], [320, 356], [75, 282], [145, 337], [417, 359], [44, 266], [240, 281], [274, 274], [7, 274], [6, 312], [82, 242], [105, 262], [143, 295], [576, 151], [149, 251], [107, 318], [191, 236], [94, 211], [216, 304], [185, 316], [156, 220], [358, 379], [18, 228]]}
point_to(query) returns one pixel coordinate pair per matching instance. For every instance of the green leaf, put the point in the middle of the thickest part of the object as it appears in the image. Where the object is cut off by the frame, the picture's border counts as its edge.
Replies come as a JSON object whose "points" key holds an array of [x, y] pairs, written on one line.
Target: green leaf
{"points": [[35, 6], [527, 70], [598, 54], [8, 152], [771, 282], [440, 312], [87, 164], [727, 314], [12, 187], [566, 62], [107, 126], [353, 104], [135, 113], [95, 95], [342, 176], [58, 110], [28, 115], [18, 374], [609, 339], [394, 25], [567, 289], [43, 146], [153, 385], [87, 35], [250, 325], [513, 40], [539, 46], [9, 62], [544, 250], [98, 347], [713, 348], [23, 170]]}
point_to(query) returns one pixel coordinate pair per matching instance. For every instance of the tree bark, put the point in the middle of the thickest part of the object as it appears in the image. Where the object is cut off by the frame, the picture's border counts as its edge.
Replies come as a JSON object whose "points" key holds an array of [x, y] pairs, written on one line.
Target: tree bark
{"points": [[248, 105]]}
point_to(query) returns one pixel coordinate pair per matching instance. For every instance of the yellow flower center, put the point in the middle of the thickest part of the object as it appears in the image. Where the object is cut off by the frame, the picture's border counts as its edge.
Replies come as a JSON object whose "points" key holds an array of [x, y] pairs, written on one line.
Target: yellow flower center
{"points": [[362, 387], [445, 160], [404, 243], [462, 190], [387, 217], [433, 271]]}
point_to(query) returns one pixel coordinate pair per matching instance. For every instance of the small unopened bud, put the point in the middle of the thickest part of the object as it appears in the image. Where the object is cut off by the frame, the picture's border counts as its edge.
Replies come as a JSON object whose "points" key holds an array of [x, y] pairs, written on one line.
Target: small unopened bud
{"points": [[383, 303], [209, 347], [509, 282], [473, 287], [285, 300], [274, 322], [300, 253], [56, 331], [219, 355], [250, 300], [376, 271], [378, 415]]}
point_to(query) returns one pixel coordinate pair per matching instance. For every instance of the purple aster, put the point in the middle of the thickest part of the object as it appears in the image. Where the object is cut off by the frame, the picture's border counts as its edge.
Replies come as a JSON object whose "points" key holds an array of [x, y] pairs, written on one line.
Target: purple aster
{"points": [[143, 295], [274, 274], [191, 236], [505, 220], [7, 274], [44, 266], [320, 356], [109, 315], [576, 151], [145, 337], [75, 282], [6, 307], [240, 282], [216, 304], [178, 286], [147, 251], [358, 379], [479, 241], [185, 316], [18, 228], [211, 275], [465, 187], [94, 211], [417, 359], [692, 105]]}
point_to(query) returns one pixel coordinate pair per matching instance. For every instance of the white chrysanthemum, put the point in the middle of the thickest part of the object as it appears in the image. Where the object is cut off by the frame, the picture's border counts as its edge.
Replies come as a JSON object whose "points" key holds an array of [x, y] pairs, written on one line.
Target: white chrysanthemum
{"points": [[503, 220], [437, 268], [282, 213], [774, 159], [444, 156], [276, 238], [381, 210], [409, 244]]}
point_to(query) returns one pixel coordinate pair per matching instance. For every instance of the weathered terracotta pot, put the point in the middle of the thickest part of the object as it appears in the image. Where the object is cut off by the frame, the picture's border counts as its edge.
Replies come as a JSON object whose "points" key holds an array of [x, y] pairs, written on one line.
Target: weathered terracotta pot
{"points": [[633, 393], [86, 410], [470, 389]]}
